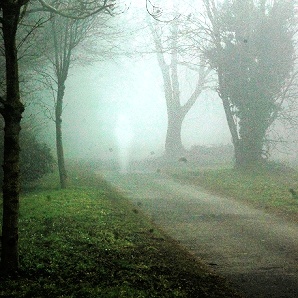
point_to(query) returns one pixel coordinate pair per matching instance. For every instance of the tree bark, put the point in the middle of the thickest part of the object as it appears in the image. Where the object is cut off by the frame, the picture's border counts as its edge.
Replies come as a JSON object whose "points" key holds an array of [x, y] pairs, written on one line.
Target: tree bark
{"points": [[229, 116], [173, 145], [11, 110], [59, 139], [252, 139]]}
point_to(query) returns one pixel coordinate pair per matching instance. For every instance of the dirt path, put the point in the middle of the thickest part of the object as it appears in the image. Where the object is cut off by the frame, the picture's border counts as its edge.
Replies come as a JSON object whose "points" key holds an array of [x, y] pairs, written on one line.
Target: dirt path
{"points": [[256, 251]]}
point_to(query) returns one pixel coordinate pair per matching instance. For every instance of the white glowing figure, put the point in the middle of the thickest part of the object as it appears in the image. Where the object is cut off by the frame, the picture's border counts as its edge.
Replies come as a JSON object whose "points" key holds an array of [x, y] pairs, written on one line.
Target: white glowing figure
{"points": [[124, 134]]}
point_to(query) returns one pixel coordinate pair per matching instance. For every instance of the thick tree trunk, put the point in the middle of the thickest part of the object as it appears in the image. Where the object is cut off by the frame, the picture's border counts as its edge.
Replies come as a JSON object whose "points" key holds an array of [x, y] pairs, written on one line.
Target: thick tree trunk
{"points": [[248, 142], [12, 113], [59, 139], [249, 155], [173, 144], [251, 143]]}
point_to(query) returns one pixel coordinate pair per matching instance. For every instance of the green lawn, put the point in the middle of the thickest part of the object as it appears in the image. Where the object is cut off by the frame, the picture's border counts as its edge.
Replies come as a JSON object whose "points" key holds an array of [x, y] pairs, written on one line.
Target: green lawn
{"points": [[263, 187], [88, 241]]}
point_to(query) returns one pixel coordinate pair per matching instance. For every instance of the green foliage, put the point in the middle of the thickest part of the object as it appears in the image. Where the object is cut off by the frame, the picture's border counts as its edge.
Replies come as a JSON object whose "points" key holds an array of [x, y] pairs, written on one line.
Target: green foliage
{"points": [[254, 59], [257, 56], [36, 159]]}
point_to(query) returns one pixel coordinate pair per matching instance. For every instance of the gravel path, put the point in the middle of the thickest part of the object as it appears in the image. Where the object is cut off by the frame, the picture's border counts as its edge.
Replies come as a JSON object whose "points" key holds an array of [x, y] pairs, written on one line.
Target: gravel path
{"points": [[256, 251]]}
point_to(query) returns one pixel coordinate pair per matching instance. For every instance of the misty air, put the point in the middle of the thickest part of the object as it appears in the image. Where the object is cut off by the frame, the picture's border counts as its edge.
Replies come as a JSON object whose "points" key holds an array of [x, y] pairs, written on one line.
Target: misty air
{"points": [[149, 148]]}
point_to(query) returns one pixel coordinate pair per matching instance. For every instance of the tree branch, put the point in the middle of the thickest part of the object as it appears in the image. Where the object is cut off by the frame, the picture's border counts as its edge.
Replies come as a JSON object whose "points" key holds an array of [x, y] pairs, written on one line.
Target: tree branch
{"points": [[156, 12], [203, 73], [46, 7]]}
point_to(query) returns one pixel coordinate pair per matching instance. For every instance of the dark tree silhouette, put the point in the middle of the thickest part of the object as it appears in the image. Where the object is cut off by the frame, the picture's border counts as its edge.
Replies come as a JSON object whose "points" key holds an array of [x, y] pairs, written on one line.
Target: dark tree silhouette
{"points": [[65, 34]]}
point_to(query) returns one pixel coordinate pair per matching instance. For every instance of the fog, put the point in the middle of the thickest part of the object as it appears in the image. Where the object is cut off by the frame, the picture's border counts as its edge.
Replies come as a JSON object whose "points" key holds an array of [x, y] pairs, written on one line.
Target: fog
{"points": [[109, 93], [116, 108], [104, 101]]}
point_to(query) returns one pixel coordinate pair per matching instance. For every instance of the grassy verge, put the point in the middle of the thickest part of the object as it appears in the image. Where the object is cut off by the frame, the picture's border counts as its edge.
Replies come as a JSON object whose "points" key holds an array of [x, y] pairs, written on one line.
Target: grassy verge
{"points": [[264, 187], [88, 241]]}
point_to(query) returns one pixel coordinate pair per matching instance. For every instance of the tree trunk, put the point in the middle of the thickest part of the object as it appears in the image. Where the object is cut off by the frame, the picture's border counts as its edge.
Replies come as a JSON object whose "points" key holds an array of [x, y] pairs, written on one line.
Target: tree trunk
{"points": [[173, 144], [238, 154], [230, 120], [248, 142], [251, 143], [12, 113], [59, 140]]}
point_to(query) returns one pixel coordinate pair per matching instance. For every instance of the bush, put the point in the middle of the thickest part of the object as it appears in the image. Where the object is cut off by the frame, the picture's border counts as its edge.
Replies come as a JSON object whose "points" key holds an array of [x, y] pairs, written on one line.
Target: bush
{"points": [[211, 154], [36, 159]]}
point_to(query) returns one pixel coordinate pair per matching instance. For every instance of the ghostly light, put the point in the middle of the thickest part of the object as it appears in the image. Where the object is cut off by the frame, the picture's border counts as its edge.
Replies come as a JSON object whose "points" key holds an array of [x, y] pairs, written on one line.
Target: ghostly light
{"points": [[124, 135]]}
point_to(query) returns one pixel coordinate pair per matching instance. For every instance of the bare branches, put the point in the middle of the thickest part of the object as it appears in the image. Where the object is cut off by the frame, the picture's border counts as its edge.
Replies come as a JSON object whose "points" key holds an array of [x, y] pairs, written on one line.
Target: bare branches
{"points": [[153, 10], [156, 12], [174, 50], [203, 73], [78, 10], [33, 27]]}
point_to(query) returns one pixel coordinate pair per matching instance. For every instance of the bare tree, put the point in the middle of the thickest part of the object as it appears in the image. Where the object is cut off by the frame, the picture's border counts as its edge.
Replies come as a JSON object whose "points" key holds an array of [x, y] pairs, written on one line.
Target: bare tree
{"points": [[65, 36], [169, 44]]}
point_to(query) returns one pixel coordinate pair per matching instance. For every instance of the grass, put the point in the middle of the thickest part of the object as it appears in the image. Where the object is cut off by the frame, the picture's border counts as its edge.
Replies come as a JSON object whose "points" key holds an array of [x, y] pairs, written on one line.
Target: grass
{"points": [[266, 187], [88, 241]]}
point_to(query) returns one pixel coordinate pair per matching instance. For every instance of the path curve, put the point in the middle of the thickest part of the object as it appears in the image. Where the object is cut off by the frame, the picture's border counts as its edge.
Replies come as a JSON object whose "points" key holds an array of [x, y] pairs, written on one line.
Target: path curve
{"points": [[256, 251]]}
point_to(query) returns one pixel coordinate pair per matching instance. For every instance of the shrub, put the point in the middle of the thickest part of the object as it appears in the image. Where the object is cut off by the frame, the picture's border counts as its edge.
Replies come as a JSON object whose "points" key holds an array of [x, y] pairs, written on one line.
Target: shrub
{"points": [[36, 159]]}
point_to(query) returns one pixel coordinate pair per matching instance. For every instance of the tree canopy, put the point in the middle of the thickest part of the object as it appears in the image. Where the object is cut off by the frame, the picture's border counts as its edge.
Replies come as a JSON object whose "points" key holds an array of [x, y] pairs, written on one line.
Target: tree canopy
{"points": [[253, 53]]}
